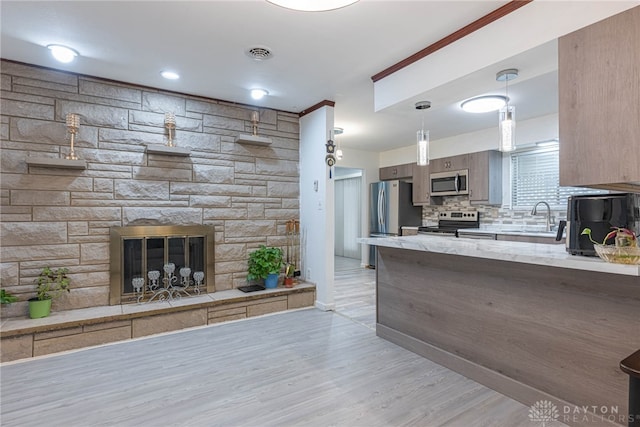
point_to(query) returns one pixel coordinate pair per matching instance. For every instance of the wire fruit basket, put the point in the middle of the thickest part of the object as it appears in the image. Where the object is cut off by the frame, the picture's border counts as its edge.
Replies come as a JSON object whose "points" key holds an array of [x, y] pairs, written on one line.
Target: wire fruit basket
{"points": [[619, 254]]}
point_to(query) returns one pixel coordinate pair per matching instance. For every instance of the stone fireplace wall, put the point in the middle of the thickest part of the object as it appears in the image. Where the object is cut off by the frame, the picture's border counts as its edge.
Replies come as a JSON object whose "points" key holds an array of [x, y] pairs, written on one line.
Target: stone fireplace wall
{"points": [[61, 217]]}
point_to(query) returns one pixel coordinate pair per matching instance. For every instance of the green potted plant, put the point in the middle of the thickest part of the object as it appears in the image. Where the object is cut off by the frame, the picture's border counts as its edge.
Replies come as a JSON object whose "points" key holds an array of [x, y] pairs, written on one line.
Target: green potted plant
{"points": [[265, 263], [7, 297], [49, 284]]}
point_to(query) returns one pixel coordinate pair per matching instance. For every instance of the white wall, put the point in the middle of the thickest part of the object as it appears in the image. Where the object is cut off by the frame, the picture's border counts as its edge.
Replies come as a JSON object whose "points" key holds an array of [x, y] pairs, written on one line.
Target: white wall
{"points": [[532, 25], [317, 205], [368, 162], [527, 132]]}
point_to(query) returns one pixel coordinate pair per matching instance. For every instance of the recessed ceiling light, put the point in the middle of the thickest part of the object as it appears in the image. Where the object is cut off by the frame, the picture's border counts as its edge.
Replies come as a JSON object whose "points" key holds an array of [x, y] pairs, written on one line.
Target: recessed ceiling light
{"points": [[258, 93], [170, 75], [312, 5], [484, 104], [62, 53]]}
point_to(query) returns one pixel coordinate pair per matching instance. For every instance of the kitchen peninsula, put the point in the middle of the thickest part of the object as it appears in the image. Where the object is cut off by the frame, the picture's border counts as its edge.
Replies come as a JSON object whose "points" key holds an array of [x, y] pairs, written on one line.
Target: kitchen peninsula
{"points": [[526, 319]]}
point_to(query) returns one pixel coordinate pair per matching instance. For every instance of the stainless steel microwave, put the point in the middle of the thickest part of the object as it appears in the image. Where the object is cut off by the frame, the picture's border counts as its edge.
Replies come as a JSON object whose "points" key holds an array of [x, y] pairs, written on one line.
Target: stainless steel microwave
{"points": [[450, 183]]}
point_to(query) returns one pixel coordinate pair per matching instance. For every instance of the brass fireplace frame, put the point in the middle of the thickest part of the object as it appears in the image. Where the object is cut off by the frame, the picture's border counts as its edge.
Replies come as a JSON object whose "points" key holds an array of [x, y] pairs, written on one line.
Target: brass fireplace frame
{"points": [[118, 234]]}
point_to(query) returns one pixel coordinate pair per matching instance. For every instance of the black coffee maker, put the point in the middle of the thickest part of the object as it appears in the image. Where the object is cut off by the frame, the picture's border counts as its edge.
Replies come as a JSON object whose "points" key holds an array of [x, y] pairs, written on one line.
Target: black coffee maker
{"points": [[601, 213]]}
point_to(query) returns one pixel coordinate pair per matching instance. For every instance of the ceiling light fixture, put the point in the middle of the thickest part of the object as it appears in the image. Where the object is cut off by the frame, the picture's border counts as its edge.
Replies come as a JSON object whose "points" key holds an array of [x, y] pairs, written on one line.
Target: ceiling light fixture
{"points": [[312, 5], [61, 53], [259, 93], [423, 136], [484, 104], [507, 114], [336, 132], [170, 75]]}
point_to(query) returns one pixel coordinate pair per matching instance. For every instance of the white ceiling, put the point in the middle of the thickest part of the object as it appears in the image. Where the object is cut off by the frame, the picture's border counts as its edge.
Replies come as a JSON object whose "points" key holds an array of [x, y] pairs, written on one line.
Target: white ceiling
{"points": [[316, 56]]}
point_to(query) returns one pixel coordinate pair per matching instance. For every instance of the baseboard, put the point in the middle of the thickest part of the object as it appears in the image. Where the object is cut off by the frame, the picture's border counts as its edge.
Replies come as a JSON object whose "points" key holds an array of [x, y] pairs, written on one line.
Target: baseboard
{"points": [[325, 307], [516, 390]]}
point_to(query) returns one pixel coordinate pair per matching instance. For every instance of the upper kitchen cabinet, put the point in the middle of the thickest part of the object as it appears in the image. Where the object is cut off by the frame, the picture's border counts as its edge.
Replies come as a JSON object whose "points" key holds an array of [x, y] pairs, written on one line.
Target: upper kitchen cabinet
{"points": [[396, 172], [485, 177], [421, 193], [446, 164], [599, 104]]}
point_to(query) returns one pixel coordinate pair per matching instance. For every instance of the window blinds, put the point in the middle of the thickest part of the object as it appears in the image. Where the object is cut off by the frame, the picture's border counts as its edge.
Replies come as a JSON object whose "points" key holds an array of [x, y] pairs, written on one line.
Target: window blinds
{"points": [[535, 177]]}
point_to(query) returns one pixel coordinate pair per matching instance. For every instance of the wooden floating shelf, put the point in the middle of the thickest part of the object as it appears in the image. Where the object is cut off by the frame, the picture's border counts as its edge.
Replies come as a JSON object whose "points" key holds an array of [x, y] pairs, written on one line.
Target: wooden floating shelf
{"points": [[168, 151], [253, 139], [50, 162]]}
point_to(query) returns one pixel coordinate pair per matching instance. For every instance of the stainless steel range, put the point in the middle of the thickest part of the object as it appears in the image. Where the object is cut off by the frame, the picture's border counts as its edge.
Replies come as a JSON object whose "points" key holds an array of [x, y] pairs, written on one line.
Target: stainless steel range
{"points": [[450, 222]]}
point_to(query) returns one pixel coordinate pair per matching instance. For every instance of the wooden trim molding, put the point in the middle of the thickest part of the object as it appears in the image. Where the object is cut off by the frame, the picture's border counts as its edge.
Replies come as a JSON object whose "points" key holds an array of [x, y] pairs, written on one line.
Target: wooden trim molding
{"points": [[462, 32], [313, 108]]}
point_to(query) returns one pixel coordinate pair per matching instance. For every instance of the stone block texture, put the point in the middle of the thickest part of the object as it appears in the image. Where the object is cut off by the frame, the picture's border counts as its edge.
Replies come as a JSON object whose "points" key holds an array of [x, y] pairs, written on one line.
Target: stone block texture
{"points": [[61, 217]]}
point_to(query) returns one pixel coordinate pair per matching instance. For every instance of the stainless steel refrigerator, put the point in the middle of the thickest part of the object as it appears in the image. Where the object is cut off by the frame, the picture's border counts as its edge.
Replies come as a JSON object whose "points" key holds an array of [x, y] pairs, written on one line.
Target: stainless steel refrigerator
{"points": [[390, 208]]}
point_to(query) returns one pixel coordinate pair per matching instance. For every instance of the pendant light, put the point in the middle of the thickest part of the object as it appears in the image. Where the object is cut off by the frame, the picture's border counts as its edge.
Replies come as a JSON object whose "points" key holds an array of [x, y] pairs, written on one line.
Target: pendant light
{"points": [[507, 114], [423, 136]]}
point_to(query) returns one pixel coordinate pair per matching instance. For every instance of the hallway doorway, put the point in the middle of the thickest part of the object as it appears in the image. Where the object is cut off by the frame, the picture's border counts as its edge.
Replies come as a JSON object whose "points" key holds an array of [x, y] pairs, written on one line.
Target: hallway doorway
{"points": [[348, 213], [354, 285]]}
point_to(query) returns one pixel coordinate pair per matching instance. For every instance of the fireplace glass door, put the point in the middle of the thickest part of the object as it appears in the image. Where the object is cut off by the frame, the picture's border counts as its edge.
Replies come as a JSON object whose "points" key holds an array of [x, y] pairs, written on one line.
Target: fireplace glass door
{"points": [[150, 262]]}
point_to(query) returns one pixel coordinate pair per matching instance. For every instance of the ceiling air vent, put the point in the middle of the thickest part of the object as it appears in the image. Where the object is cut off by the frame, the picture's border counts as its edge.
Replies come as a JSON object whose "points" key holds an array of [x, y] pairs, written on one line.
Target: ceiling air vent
{"points": [[259, 53]]}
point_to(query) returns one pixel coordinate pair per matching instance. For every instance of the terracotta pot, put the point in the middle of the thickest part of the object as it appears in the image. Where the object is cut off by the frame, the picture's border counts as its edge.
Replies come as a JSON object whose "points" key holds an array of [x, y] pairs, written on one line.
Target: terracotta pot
{"points": [[288, 282]]}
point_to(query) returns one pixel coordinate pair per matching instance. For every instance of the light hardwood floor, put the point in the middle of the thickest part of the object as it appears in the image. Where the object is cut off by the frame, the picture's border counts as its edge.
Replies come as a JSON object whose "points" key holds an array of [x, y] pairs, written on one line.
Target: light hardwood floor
{"points": [[355, 291], [301, 368]]}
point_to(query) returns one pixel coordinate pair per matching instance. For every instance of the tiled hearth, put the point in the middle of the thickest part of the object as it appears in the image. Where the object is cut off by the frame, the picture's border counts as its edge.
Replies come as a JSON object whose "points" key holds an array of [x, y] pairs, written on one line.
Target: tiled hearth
{"points": [[67, 330]]}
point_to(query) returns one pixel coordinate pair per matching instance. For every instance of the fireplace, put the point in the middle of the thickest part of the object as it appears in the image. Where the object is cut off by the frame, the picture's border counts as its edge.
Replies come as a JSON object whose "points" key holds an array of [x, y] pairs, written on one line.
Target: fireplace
{"points": [[160, 262]]}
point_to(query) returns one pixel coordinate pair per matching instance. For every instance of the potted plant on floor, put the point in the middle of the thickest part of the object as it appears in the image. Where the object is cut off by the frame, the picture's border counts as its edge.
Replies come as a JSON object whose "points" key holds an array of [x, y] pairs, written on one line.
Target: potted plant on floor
{"points": [[49, 284], [265, 263]]}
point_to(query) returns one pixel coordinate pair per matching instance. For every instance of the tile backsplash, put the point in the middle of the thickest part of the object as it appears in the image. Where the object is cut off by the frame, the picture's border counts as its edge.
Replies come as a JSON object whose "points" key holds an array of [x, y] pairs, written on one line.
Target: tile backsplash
{"points": [[489, 215]]}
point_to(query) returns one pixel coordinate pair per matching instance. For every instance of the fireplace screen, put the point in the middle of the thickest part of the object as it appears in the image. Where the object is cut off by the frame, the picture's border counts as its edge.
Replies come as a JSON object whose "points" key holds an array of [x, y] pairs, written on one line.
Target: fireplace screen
{"points": [[160, 262]]}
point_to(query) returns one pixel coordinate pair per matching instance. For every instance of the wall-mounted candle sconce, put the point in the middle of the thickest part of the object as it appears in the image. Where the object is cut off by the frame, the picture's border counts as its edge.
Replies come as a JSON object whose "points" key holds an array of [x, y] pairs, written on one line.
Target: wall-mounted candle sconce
{"points": [[170, 125], [254, 138], [73, 125], [168, 149], [255, 118]]}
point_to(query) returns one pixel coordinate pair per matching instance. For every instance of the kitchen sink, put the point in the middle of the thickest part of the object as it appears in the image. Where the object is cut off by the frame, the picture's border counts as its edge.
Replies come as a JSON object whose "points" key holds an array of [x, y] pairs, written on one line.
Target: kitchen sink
{"points": [[536, 231], [525, 234]]}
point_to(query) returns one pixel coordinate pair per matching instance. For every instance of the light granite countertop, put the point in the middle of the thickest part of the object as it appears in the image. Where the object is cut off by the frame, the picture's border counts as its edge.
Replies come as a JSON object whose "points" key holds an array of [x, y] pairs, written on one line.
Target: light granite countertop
{"points": [[528, 253], [501, 229], [512, 231]]}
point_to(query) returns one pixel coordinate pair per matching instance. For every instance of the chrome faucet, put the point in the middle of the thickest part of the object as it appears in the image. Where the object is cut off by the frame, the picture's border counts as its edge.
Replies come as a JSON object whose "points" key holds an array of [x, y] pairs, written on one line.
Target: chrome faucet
{"points": [[550, 220]]}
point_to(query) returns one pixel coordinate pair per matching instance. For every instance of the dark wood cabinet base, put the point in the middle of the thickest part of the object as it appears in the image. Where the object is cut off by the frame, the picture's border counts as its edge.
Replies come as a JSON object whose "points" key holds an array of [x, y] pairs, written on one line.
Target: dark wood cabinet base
{"points": [[531, 332]]}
